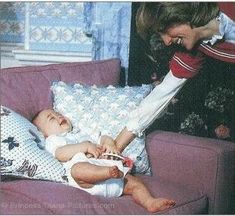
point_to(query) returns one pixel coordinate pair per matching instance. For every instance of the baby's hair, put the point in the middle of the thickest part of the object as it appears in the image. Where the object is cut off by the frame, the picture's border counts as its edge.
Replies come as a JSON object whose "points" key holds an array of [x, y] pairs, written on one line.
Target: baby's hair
{"points": [[36, 115]]}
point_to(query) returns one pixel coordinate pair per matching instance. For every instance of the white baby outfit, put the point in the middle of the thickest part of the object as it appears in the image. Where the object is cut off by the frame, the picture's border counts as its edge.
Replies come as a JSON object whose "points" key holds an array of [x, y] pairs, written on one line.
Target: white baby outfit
{"points": [[108, 188]]}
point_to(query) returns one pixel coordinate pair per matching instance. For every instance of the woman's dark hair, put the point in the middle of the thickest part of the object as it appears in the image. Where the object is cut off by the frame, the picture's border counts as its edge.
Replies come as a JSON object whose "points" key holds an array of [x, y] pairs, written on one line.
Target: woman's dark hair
{"points": [[159, 16]]}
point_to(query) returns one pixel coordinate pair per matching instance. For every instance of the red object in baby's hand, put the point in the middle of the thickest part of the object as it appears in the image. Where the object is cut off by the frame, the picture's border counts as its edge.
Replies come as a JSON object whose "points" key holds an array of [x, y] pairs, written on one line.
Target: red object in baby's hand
{"points": [[125, 160], [128, 162]]}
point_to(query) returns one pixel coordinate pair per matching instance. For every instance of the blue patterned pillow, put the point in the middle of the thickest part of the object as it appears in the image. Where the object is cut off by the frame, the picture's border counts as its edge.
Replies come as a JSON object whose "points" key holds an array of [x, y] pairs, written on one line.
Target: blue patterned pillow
{"points": [[21, 151], [105, 109]]}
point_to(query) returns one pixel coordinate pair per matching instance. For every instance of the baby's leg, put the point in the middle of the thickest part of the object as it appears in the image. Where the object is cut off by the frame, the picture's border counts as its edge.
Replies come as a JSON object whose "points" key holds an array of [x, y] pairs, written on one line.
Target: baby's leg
{"points": [[141, 195], [86, 174]]}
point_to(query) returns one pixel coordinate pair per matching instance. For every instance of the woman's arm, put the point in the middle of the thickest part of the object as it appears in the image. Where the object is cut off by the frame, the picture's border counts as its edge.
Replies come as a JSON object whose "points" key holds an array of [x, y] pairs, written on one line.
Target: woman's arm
{"points": [[149, 109], [123, 139]]}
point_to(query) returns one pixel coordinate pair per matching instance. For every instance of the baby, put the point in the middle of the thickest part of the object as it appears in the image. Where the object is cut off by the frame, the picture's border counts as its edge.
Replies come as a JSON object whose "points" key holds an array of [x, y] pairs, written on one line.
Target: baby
{"points": [[85, 169]]}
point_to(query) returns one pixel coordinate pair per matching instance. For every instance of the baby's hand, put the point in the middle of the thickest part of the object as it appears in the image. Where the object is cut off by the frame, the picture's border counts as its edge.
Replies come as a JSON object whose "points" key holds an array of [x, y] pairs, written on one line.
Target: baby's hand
{"points": [[108, 145], [93, 150], [110, 148]]}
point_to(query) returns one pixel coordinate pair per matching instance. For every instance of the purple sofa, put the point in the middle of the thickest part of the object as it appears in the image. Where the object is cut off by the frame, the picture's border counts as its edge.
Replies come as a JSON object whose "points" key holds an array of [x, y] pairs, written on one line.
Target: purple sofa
{"points": [[198, 173]]}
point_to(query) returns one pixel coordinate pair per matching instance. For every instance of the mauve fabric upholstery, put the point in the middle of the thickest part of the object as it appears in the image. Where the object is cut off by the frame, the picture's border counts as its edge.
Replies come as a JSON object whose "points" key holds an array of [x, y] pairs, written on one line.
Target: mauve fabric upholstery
{"points": [[26, 90], [54, 198], [201, 164], [198, 173]]}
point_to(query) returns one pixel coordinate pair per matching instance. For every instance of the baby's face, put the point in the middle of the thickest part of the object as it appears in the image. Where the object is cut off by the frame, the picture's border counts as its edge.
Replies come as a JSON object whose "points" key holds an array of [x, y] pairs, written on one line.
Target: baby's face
{"points": [[52, 123]]}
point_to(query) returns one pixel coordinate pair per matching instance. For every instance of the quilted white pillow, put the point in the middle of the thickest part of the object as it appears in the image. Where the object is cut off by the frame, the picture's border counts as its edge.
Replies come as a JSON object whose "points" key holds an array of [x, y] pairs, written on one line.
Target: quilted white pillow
{"points": [[21, 151], [105, 109]]}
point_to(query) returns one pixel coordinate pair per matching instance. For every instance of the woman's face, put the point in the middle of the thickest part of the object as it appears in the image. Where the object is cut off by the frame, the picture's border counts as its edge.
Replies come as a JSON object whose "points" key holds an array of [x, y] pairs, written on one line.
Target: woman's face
{"points": [[182, 35]]}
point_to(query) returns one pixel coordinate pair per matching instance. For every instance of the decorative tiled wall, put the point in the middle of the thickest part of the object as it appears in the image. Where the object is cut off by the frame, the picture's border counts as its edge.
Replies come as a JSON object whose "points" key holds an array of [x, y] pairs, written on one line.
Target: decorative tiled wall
{"points": [[100, 28], [57, 26], [12, 20]]}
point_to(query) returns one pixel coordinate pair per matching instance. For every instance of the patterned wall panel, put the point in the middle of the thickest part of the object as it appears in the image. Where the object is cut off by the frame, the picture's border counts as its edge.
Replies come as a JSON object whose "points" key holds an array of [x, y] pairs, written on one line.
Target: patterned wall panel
{"points": [[57, 26], [12, 20], [102, 28], [109, 23]]}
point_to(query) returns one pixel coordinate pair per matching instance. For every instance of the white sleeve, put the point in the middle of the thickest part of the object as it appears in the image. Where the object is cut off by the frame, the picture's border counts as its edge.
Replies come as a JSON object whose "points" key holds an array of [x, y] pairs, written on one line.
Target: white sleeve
{"points": [[99, 139], [152, 106], [53, 142]]}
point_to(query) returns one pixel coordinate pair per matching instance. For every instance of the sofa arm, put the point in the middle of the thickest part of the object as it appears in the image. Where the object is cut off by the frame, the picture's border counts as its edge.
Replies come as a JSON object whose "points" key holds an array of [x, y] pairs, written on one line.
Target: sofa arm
{"points": [[206, 165]]}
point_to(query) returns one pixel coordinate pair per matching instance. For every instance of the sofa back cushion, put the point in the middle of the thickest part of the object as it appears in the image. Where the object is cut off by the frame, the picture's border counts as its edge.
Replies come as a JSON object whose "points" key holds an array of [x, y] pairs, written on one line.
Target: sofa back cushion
{"points": [[26, 90]]}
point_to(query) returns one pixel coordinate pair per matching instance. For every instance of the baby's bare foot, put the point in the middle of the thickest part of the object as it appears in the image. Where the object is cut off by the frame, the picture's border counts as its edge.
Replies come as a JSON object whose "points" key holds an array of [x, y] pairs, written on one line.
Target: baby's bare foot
{"points": [[114, 172], [159, 204]]}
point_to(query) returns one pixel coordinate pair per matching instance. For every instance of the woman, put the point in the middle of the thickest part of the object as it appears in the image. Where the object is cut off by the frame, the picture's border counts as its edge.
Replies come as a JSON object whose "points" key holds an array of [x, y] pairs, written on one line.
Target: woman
{"points": [[200, 29]]}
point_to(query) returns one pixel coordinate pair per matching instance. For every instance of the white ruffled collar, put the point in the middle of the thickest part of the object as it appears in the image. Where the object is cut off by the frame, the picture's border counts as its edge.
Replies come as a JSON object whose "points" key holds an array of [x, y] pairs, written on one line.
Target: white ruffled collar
{"points": [[222, 24]]}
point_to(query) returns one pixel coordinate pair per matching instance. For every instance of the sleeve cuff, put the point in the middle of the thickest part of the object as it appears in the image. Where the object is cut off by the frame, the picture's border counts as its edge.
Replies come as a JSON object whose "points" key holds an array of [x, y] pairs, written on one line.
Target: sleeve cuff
{"points": [[53, 142]]}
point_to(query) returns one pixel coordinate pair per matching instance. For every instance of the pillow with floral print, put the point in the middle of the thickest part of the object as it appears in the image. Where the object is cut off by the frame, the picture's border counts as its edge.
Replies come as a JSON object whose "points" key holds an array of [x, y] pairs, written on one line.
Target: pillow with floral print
{"points": [[22, 154], [103, 109]]}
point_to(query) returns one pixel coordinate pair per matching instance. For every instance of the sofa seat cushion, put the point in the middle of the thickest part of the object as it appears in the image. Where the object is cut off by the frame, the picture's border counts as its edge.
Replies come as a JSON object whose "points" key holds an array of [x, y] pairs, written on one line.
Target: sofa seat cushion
{"points": [[14, 202], [55, 198], [188, 201]]}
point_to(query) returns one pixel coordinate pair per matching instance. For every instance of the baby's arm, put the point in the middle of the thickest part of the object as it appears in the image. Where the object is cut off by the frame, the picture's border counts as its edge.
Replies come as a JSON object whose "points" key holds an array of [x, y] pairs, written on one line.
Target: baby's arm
{"points": [[66, 152]]}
